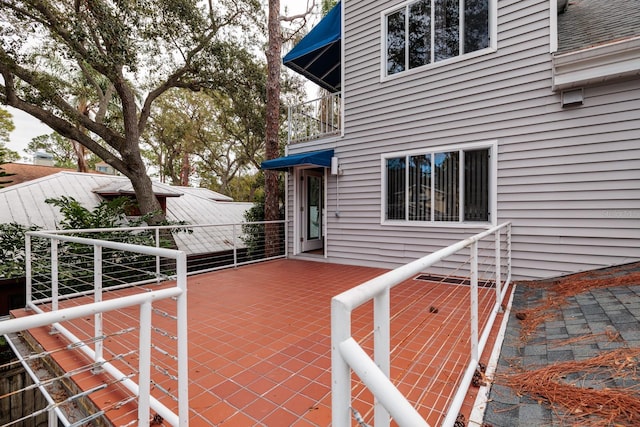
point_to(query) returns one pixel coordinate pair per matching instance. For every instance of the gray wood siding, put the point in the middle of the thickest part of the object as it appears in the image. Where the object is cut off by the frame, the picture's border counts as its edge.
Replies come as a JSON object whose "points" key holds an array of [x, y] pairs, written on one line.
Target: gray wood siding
{"points": [[568, 179]]}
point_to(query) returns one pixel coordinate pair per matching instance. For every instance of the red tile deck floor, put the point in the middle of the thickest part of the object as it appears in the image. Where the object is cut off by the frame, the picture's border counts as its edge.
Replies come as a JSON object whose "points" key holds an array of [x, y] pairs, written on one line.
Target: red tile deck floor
{"points": [[260, 345]]}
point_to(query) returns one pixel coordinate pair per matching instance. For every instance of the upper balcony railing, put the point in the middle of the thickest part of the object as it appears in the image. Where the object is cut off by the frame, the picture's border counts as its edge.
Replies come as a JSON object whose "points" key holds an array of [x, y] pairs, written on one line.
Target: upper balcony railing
{"points": [[315, 119]]}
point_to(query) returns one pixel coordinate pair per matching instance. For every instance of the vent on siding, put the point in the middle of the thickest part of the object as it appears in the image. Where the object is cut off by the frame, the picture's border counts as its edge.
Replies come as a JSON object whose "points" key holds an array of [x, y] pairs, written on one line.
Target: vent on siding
{"points": [[482, 283]]}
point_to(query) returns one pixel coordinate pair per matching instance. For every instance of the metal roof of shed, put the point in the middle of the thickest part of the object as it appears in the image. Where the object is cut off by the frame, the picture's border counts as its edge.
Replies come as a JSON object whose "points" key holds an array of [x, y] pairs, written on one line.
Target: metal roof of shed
{"points": [[25, 204]]}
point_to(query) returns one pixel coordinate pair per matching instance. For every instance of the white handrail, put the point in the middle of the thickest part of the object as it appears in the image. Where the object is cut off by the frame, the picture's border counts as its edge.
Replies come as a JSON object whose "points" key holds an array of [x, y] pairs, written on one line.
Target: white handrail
{"points": [[146, 299], [377, 289], [65, 314], [235, 237], [150, 227], [54, 317]]}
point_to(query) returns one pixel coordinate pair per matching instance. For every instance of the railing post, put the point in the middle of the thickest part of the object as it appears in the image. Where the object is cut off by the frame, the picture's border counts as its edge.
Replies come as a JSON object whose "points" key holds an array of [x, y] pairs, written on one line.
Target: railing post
{"points": [[144, 366], [290, 127], [52, 418], [340, 113], [183, 341], [97, 279], [235, 246], [28, 270], [157, 256], [474, 300], [340, 371], [382, 347], [285, 225], [309, 125], [54, 275], [332, 112], [509, 251], [498, 251]]}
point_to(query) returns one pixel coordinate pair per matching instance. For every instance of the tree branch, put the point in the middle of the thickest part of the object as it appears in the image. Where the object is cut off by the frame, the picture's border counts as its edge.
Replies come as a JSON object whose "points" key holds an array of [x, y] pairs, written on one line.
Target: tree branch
{"points": [[173, 80], [68, 130], [104, 103], [302, 15], [8, 68]]}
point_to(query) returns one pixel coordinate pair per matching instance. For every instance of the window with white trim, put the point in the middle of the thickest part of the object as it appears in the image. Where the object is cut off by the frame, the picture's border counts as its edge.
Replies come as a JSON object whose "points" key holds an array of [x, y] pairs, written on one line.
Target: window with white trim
{"points": [[426, 31], [438, 186]]}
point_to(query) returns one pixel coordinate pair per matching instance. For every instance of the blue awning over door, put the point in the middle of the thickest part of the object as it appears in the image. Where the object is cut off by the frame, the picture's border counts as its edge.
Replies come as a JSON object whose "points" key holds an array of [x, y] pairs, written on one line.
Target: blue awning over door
{"points": [[313, 158], [317, 55]]}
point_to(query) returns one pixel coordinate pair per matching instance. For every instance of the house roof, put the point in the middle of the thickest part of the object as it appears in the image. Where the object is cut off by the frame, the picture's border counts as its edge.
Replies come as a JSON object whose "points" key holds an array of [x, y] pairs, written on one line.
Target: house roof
{"points": [[206, 194], [598, 43], [25, 204], [588, 23], [22, 172], [124, 188]]}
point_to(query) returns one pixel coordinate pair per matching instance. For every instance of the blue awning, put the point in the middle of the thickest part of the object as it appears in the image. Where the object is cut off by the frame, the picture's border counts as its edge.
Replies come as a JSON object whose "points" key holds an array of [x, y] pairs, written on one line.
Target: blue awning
{"points": [[313, 158], [317, 55]]}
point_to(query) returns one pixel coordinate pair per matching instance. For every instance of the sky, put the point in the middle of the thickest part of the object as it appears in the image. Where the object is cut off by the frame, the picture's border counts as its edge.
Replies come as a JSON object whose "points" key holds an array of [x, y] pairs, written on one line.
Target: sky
{"points": [[27, 127]]}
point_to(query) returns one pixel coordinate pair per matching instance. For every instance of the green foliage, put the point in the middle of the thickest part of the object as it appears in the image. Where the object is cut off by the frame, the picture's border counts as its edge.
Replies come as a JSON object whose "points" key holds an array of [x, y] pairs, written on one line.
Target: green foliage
{"points": [[78, 263], [108, 213], [77, 270], [216, 135], [61, 149], [12, 252], [6, 127], [327, 5], [3, 177], [7, 155], [254, 234], [93, 70]]}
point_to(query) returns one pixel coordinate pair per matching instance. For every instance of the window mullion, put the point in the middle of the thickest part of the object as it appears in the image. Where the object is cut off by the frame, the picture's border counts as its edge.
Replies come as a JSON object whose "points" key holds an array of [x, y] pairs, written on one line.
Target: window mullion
{"points": [[432, 54], [432, 189], [461, 29], [406, 188], [461, 186], [407, 30]]}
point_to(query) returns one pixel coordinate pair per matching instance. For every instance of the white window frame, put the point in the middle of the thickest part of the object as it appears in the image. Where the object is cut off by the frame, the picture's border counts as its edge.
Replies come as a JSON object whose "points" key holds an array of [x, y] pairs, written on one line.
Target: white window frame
{"points": [[493, 187], [553, 26], [493, 42]]}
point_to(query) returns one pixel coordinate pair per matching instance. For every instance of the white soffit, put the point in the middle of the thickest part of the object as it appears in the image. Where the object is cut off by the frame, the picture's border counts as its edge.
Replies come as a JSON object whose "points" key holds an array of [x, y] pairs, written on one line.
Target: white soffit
{"points": [[597, 64]]}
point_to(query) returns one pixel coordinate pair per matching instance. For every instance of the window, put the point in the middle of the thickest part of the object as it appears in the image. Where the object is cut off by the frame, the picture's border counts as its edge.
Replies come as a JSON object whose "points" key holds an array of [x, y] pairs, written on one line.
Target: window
{"points": [[440, 186], [427, 31]]}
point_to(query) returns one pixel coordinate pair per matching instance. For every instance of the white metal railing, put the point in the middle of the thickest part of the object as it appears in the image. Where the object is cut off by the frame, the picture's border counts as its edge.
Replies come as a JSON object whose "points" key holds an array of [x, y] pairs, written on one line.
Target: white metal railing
{"points": [[58, 270], [347, 354], [98, 308], [315, 119]]}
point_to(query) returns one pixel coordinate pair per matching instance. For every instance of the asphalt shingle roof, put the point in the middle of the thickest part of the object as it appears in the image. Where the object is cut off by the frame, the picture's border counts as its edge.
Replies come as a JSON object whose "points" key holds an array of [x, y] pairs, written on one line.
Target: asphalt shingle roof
{"points": [[587, 315], [588, 23]]}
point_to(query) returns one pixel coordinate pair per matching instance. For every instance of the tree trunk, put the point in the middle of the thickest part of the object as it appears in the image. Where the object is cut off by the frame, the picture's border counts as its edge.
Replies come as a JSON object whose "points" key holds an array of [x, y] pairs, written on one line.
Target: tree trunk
{"points": [[185, 170], [81, 156], [141, 183], [271, 208]]}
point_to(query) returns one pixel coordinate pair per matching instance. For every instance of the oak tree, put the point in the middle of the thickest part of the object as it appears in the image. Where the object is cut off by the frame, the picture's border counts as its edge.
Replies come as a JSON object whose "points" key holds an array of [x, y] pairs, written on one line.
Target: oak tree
{"points": [[128, 53]]}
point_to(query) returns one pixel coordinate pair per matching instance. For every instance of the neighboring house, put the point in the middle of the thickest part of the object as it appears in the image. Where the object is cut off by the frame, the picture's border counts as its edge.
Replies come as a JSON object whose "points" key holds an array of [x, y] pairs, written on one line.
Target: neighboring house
{"points": [[41, 158], [22, 172], [104, 167], [450, 122], [25, 204]]}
